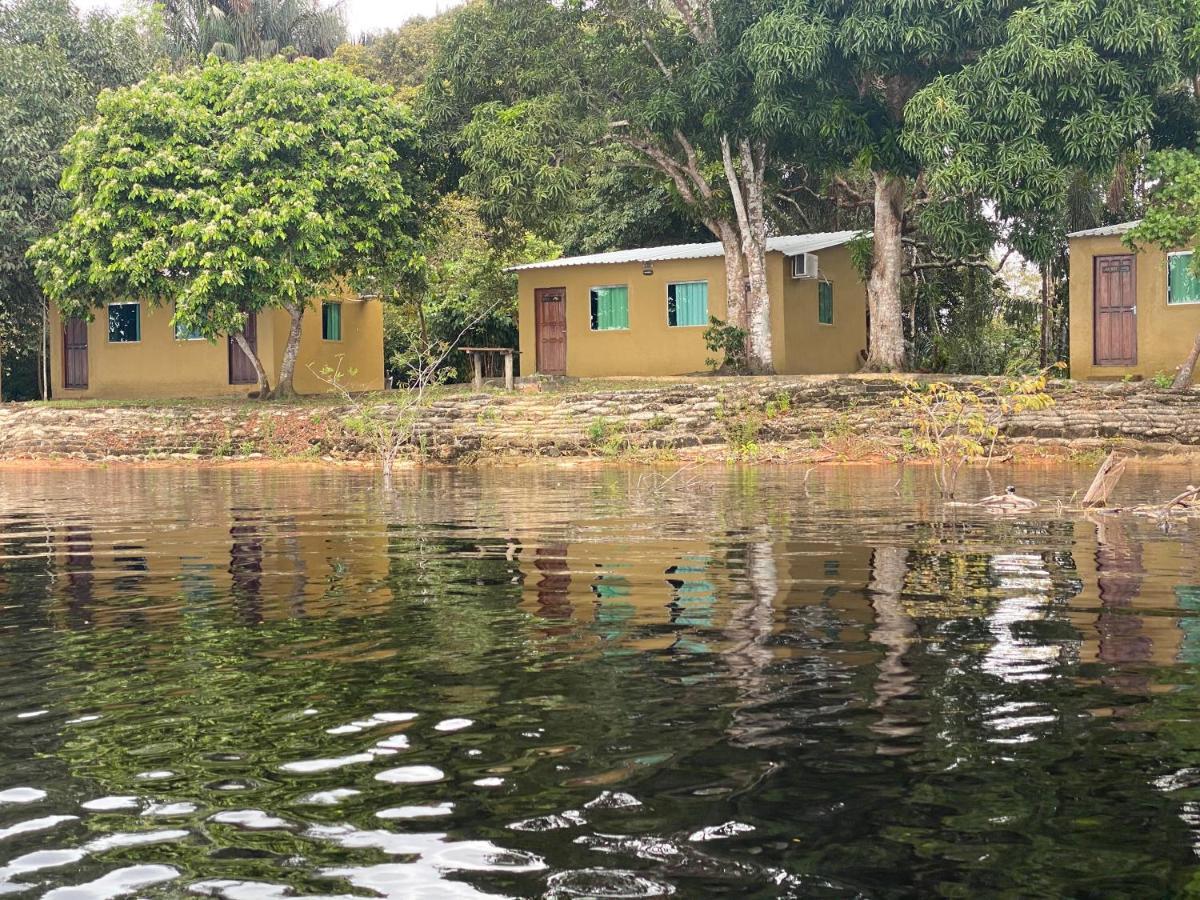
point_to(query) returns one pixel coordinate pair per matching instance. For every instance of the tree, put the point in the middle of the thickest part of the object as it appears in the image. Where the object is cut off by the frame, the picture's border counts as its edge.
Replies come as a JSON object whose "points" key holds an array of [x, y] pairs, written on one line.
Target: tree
{"points": [[1172, 221], [461, 295], [655, 83], [52, 66], [963, 116], [252, 29], [401, 56], [230, 189]]}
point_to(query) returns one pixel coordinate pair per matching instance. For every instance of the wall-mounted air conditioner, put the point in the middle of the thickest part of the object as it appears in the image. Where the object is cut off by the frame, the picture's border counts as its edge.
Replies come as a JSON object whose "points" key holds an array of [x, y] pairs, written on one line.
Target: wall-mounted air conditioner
{"points": [[804, 265]]}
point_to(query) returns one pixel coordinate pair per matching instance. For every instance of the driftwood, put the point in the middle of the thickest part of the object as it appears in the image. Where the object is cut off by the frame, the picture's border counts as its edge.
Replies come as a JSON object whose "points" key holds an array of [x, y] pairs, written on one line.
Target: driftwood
{"points": [[1105, 481]]}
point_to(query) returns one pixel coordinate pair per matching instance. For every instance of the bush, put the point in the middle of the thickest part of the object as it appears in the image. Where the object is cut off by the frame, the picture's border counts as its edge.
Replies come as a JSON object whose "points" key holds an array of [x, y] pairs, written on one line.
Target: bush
{"points": [[729, 341]]}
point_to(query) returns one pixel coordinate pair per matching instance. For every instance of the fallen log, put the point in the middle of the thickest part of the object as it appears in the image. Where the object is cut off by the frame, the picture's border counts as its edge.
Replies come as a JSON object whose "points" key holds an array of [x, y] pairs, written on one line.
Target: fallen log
{"points": [[1105, 482]]}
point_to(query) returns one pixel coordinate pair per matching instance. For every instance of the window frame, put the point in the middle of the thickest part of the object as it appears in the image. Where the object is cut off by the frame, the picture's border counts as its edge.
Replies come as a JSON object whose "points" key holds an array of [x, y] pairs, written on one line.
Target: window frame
{"points": [[670, 300], [1178, 302], [324, 321], [592, 317], [827, 285], [137, 305]]}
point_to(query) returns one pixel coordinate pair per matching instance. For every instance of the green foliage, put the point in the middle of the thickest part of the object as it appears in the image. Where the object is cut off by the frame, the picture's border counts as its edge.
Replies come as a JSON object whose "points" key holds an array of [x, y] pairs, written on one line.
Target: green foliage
{"points": [[1172, 219], [1163, 380], [729, 341], [400, 57], [460, 294], [230, 189], [953, 425], [252, 29], [52, 66]]}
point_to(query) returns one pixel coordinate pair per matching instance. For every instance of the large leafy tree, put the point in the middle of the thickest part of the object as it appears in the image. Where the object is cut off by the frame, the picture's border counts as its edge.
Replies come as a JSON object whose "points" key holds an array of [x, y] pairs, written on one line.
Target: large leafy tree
{"points": [[230, 189], [52, 66], [252, 29]]}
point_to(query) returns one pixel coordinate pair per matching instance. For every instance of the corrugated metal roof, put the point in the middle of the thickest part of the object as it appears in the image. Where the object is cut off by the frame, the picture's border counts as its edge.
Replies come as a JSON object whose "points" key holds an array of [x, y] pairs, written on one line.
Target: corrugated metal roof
{"points": [[1106, 230], [789, 245]]}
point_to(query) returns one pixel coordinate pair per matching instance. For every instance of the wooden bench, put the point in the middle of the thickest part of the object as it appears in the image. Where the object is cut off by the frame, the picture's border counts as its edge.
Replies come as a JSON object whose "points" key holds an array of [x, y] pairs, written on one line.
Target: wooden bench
{"points": [[477, 354]]}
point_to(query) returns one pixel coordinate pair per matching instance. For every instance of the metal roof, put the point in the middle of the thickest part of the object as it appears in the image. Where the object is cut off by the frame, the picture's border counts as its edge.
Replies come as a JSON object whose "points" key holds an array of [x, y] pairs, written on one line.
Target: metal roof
{"points": [[1106, 230], [788, 244]]}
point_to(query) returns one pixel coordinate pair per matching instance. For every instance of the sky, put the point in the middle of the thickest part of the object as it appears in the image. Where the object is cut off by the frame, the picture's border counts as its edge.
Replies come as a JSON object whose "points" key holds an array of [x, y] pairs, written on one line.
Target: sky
{"points": [[361, 15]]}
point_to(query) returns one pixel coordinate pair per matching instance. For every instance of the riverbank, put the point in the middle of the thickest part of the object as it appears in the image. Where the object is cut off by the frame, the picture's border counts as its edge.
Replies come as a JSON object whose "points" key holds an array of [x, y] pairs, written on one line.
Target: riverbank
{"points": [[816, 419]]}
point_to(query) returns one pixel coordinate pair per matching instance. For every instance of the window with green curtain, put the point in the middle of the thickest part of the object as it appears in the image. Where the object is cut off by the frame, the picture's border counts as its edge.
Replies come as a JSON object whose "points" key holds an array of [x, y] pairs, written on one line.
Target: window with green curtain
{"points": [[687, 303], [331, 321], [825, 303], [124, 323], [1182, 284], [610, 308]]}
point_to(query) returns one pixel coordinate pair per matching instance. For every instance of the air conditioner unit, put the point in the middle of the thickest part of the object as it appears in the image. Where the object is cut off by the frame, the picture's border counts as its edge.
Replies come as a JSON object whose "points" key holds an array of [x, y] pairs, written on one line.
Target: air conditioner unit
{"points": [[804, 265]]}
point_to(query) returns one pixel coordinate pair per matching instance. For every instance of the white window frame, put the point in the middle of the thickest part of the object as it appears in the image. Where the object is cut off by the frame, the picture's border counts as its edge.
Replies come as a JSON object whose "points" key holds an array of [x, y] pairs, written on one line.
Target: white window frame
{"points": [[607, 287], [667, 305], [108, 321]]}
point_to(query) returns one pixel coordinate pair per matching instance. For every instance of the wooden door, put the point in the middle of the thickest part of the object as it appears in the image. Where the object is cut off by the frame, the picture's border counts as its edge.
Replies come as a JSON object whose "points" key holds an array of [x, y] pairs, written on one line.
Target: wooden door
{"points": [[550, 308], [1116, 310], [241, 369], [75, 353]]}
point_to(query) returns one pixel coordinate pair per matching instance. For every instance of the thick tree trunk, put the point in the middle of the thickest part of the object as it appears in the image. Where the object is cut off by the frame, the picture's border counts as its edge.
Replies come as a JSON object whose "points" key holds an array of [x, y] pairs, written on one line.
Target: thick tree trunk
{"points": [[747, 190], [284, 387], [883, 291], [735, 276], [264, 383], [1183, 380]]}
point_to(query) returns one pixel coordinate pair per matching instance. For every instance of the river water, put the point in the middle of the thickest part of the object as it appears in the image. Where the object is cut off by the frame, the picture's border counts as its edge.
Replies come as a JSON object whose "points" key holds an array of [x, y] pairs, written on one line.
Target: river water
{"points": [[573, 683]]}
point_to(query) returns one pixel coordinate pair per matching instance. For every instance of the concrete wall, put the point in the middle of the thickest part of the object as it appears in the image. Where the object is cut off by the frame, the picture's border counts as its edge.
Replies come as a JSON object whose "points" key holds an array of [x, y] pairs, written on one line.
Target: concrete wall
{"points": [[651, 347], [160, 366], [1164, 333]]}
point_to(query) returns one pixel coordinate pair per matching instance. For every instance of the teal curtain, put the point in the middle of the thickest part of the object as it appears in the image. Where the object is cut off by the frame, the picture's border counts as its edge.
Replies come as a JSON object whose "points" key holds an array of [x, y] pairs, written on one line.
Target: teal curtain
{"points": [[825, 303], [610, 308], [331, 321], [688, 303], [1184, 286]]}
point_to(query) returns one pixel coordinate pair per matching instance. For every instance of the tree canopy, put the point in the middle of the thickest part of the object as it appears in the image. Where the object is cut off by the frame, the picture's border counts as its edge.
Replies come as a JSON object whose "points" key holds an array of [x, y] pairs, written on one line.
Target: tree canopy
{"points": [[53, 64], [234, 188]]}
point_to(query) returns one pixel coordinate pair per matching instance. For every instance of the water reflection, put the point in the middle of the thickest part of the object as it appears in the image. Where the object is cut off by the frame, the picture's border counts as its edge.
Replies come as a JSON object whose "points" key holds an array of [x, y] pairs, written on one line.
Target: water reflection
{"points": [[589, 684]]}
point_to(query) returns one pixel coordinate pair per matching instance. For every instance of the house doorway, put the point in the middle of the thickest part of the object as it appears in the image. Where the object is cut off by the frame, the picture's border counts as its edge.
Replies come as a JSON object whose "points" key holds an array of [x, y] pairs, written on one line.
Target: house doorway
{"points": [[75, 353], [1116, 310], [241, 369], [550, 315]]}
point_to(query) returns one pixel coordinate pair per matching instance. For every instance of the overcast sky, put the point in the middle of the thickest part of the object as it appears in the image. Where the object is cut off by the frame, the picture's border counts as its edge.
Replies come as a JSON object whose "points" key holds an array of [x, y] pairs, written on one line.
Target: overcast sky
{"points": [[361, 15]]}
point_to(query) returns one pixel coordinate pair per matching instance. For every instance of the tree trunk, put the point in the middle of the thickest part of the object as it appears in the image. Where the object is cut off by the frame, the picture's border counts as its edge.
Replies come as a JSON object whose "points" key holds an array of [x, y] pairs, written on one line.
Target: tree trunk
{"points": [[747, 190], [1044, 354], [883, 291], [1, 371], [1183, 380], [43, 353], [735, 277], [264, 383], [284, 388]]}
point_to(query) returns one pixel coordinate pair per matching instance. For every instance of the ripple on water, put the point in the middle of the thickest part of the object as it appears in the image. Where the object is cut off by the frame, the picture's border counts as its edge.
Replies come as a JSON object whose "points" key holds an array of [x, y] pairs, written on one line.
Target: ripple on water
{"points": [[416, 812], [411, 775], [313, 766], [43, 824], [605, 883], [22, 795], [116, 883]]}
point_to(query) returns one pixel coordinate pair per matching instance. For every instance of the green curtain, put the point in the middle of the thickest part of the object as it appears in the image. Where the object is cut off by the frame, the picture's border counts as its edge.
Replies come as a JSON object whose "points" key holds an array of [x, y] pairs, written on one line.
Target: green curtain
{"points": [[1184, 285], [331, 329], [610, 308], [691, 303], [825, 303]]}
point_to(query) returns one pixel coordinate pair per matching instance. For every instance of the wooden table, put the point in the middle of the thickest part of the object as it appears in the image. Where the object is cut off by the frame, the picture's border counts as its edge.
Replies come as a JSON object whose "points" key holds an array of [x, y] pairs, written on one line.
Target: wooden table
{"points": [[476, 354]]}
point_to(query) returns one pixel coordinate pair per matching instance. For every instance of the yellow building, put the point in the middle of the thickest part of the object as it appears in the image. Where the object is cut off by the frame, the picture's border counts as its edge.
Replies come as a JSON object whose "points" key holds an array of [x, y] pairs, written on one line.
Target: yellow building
{"points": [[644, 312], [131, 350], [1132, 313]]}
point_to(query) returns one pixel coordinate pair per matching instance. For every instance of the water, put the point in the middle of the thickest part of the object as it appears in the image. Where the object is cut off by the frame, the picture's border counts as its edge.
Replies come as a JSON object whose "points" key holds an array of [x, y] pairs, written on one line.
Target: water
{"points": [[568, 683]]}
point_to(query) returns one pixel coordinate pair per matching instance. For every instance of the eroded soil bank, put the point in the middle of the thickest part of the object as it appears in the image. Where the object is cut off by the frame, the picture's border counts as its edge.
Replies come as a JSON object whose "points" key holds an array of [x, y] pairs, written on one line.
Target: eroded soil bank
{"points": [[817, 419]]}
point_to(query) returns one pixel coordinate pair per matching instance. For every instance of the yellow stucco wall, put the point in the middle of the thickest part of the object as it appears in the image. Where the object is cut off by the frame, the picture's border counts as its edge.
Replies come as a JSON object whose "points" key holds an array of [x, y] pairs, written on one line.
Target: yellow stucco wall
{"points": [[651, 347], [160, 366], [816, 349], [1164, 333]]}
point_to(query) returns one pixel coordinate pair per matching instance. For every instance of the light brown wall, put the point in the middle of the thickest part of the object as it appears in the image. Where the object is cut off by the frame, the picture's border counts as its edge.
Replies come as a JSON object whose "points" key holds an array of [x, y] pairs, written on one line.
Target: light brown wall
{"points": [[651, 347], [161, 366], [1164, 333], [816, 349]]}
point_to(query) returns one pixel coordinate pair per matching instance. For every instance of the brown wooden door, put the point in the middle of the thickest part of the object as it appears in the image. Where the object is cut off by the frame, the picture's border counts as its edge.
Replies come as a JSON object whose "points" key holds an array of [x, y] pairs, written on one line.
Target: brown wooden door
{"points": [[550, 307], [1116, 310], [241, 370], [75, 353]]}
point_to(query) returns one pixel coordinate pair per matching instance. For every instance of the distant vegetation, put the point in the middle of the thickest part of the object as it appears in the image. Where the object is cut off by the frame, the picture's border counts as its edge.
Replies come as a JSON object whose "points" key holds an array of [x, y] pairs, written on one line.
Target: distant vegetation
{"points": [[954, 132]]}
